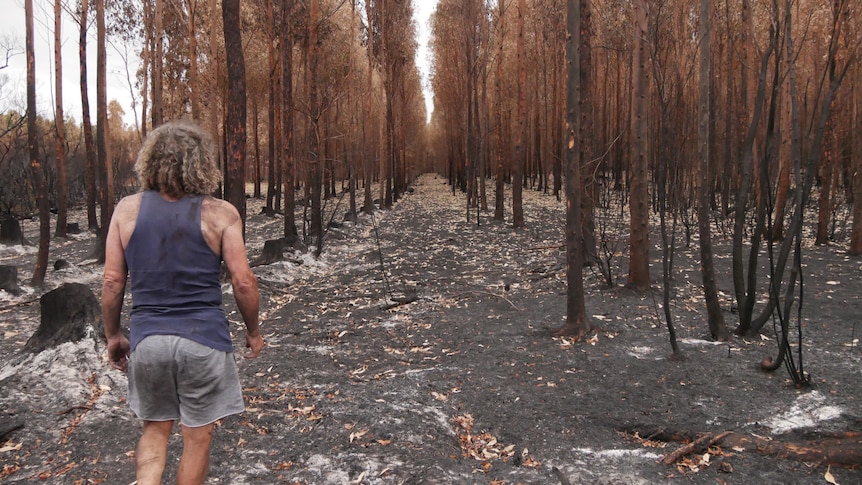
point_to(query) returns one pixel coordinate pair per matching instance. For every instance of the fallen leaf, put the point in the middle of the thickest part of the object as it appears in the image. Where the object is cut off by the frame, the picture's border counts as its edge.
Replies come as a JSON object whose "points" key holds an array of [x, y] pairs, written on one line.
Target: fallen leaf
{"points": [[357, 434], [828, 476], [10, 446]]}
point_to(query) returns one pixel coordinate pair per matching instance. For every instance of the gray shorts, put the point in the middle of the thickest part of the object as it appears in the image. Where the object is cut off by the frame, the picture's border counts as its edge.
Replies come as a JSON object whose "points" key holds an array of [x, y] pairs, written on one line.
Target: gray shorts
{"points": [[174, 378]]}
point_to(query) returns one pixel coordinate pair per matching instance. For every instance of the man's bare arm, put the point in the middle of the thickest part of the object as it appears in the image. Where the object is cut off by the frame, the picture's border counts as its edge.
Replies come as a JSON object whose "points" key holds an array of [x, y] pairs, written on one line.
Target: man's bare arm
{"points": [[113, 290], [244, 282]]}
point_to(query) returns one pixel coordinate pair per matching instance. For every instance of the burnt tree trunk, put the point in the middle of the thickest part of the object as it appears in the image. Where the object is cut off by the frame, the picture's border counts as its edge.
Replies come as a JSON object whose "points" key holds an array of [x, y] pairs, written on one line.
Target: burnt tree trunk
{"points": [[520, 151], [288, 176], [235, 128], [577, 323], [717, 328], [37, 171], [89, 144]]}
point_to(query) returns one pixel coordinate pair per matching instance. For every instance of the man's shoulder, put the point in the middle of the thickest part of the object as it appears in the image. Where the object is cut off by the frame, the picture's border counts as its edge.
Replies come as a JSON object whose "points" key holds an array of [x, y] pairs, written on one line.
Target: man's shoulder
{"points": [[129, 204], [214, 203], [134, 199], [219, 210]]}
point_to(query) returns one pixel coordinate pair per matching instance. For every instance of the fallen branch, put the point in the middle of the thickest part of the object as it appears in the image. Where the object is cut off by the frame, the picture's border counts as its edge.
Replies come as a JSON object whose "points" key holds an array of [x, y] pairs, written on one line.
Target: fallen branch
{"points": [[399, 301], [842, 449], [696, 446]]}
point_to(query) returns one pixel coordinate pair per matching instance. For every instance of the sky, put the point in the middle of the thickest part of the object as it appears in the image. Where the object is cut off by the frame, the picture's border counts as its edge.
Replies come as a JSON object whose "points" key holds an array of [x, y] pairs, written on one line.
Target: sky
{"points": [[13, 78], [422, 10], [13, 94]]}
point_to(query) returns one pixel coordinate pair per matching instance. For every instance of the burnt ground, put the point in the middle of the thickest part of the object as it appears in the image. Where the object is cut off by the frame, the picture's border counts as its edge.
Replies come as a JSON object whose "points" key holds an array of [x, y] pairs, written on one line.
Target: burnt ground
{"points": [[463, 383]]}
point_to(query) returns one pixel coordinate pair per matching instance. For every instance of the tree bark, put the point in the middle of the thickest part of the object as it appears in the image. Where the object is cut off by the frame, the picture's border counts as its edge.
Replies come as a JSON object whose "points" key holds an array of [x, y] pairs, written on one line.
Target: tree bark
{"points": [[59, 123], [106, 167], [89, 144], [37, 171], [288, 160], [157, 65], [193, 59], [824, 201], [577, 323], [855, 248], [587, 124], [368, 166], [499, 188], [215, 115], [315, 138], [271, 108], [236, 108], [717, 328], [520, 138], [639, 277], [146, 65]]}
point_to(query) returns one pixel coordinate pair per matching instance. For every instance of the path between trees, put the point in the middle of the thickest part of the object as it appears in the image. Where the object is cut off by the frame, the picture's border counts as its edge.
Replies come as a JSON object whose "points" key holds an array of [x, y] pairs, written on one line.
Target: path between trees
{"points": [[438, 366]]}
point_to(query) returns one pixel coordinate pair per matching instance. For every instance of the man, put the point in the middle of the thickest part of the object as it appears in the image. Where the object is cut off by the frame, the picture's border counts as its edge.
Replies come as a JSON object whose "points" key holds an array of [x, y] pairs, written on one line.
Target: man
{"points": [[171, 239]]}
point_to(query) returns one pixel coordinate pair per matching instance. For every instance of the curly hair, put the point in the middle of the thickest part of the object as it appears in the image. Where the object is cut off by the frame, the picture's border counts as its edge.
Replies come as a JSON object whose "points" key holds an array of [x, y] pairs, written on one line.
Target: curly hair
{"points": [[178, 158]]}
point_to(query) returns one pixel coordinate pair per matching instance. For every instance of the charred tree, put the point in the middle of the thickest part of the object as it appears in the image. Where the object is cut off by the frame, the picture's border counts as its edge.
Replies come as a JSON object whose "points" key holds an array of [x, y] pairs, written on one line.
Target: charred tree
{"points": [[577, 323], [639, 277], [106, 166], [37, 171], [59, 124], [288, 160], [89, 143], [520, 138], [717, 328], [236, 108]]}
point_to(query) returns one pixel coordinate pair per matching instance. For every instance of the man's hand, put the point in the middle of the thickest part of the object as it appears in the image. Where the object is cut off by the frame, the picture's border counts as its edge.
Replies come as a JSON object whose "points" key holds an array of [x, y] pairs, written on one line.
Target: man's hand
{"points": [[254, 343], [118, 352]]}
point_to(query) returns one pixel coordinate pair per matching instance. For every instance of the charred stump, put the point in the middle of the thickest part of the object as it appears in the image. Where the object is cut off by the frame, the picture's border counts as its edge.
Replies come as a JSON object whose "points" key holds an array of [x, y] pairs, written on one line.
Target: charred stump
{"points": [[10, 232], [273, 250], [69, 313], [9, 279]]}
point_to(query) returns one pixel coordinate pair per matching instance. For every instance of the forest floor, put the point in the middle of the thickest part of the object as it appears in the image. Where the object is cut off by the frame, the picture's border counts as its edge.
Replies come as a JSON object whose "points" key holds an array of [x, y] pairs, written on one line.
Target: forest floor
{"points": [[464, 383]]}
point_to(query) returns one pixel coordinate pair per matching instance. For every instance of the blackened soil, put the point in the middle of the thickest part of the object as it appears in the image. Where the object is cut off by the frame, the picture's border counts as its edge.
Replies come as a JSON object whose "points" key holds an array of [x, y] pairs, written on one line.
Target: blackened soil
{"points": [[420, 349]]}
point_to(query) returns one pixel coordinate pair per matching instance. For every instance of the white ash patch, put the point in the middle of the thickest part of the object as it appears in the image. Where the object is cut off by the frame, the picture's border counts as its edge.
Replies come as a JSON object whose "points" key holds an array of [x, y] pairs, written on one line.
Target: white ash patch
{"points": [[808, 411], [643, 353]]}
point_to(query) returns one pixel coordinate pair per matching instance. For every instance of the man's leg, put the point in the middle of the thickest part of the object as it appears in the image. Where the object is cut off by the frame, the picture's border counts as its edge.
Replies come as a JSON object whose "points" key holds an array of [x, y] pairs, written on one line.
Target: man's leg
{"points": [[152, 452], [195, 460]]}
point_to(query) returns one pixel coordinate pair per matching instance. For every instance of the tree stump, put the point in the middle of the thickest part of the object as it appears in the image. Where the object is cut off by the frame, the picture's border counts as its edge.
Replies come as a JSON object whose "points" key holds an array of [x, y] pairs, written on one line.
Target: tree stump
{"points": [[10, 232], [273, 250], [9, 279], [68, 312]]}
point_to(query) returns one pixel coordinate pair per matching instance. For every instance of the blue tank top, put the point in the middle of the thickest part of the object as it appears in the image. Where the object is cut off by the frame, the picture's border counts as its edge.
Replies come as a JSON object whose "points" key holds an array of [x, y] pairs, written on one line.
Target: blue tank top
{"points": [[175, 276]]}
